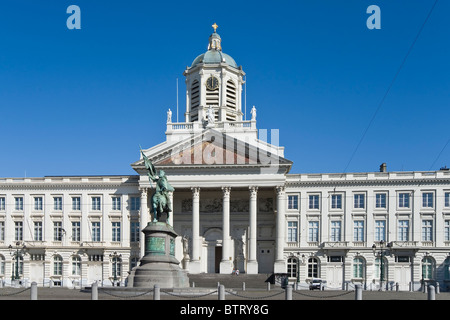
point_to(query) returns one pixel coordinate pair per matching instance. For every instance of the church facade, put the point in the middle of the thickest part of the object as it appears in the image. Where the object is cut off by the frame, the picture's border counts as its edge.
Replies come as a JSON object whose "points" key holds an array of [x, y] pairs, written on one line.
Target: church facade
{"points": [[235, 207]]}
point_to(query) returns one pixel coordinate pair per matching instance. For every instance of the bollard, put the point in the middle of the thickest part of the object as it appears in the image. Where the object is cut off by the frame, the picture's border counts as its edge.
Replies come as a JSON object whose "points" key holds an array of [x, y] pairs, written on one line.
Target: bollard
{"points": [[431, 293], [288, 292], [193, 284], [358, 292], [243, 286], [438, 290], [94, 291], [33, 291], [156, 292], [397, 286], [268, 286], [221, 292]]}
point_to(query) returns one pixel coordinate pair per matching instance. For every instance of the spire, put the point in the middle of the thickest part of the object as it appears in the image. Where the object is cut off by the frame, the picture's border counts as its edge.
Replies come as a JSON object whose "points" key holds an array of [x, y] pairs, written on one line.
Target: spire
{"points": [[215, 40]]}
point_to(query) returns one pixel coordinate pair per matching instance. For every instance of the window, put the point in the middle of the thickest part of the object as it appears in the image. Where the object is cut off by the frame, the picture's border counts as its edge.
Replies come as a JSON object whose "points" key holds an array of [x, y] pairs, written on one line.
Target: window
{"points": [[358, 231], [403, 200], [427, 268], [57, 231], [313, 268], [377, 274], [76, 203], [57, 265], [38, 203], [313, 231], [447, 230], [76, 266], [446, 201], [380, 200], [335, 231], [18, 231], [57, 203], [18, 203], [292, 267], [116, 267], [336, 201], [2, 230], [359, 201], [96, 203], [292, 202], [38, 231], [314, 201], [76, 231], [135, 231], [427, 230], [2, 203], [96, 231], [380, 230], [116, 203], [135, 203], [292, 231], [427, 200], [116, 231], [358, 268], [403, 230]]}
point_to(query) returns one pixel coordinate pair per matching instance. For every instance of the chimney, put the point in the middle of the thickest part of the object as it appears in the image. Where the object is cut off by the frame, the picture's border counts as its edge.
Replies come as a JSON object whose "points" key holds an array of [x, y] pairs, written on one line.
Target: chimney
{"points": [[383, 167]]}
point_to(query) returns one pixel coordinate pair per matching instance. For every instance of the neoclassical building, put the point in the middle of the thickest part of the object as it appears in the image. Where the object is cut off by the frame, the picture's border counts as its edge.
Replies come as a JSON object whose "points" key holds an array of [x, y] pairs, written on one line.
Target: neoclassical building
{"points": [[236, 206]]}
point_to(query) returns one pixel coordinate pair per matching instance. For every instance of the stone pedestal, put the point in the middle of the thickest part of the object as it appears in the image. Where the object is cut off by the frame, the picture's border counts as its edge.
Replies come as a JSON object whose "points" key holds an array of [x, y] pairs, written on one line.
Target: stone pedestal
{"points": [[159, 265]]}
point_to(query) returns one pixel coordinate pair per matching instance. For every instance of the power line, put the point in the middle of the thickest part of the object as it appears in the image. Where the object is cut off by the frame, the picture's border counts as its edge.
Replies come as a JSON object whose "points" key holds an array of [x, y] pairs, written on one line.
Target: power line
{"points": [[390, 86]]}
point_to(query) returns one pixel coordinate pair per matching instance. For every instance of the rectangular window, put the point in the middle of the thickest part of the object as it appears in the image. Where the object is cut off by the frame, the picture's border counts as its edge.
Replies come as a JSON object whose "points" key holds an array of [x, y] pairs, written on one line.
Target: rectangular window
{"points": [[57, 203], [57, 231], [135, 203], [76, 203], [2, 203], [427, 200], [292, 231], [96, 204], [336, 201], [314, 201], [135, 231], [313, 231], [18, 203], [446, 200], [359, 201], [292, 202], [447, 230], [116, 203], [380, 200], [403, 230], [358, 231], [38, 203], [76, 231], [96, 231], [380, 230], [335, 231], [2, 230], [116, 231], [403, 200], [427, 230], [18, 231], [38, 231]]}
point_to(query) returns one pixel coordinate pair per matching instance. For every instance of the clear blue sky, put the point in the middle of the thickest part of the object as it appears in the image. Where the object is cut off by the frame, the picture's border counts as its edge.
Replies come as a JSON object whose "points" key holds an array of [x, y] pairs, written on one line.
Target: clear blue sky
{"points": [[80, 102]]}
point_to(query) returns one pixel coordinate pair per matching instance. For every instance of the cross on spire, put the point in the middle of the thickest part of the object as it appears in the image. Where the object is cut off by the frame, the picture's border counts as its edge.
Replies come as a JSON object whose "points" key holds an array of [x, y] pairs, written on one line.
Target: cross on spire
{"points": [[215, 26]]}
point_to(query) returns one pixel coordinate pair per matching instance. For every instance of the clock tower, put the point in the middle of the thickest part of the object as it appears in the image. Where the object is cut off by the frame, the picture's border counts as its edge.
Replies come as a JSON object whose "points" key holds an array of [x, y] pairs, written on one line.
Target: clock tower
{"points": [[214, 82]]}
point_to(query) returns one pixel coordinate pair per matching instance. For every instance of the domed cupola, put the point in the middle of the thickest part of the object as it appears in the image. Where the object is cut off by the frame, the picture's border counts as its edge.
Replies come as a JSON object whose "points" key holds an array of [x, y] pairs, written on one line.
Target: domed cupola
{"points": [[214, 82]]}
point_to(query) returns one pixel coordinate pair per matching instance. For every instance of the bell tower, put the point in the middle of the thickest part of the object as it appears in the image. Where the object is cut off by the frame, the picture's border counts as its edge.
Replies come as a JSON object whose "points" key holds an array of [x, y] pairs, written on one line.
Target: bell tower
{"points": [[214, 86]]}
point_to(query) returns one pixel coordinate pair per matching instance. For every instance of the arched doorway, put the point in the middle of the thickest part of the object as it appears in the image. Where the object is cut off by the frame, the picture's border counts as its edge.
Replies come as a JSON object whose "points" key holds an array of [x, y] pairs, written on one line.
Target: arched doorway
{"points": [[213, 241]]}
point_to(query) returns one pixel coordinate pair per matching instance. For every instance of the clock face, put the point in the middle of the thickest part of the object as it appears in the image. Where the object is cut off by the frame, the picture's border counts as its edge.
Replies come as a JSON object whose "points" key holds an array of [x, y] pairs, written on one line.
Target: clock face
{"points": [[212, 83]]}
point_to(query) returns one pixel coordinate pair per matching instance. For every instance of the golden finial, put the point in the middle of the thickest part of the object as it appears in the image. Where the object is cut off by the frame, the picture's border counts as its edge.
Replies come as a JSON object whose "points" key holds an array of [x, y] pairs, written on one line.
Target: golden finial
{"points": [[215, 26]]}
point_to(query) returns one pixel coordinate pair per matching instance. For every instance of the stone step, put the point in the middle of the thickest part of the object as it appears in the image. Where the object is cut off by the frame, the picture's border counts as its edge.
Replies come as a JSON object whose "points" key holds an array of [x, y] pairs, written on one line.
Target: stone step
{"points": [[211, 280]]}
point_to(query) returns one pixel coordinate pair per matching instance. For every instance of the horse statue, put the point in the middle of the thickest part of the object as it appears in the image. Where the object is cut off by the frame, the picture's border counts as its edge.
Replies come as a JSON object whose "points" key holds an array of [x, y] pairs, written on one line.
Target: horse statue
{"points": [[160, 199]]}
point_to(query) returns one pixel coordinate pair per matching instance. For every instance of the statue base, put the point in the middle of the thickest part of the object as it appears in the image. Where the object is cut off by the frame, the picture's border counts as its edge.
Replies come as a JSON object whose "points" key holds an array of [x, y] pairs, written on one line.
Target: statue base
{"points": [[159, 265]]}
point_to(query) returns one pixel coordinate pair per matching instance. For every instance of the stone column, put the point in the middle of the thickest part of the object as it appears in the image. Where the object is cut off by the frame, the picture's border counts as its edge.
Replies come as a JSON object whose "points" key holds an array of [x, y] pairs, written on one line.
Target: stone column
{"points": [[280, 263], [226, 265], [252, 263], [194, 264], [144, 218]]}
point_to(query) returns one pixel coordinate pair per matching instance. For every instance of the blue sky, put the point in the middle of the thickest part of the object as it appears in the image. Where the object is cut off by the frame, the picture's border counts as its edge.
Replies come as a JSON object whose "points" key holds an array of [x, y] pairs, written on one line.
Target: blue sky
{"points": [[80, 102]]}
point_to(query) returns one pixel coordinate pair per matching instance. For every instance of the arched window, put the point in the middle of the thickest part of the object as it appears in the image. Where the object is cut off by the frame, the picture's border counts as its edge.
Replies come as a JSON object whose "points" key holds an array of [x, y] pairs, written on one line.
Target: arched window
{"points": [[447, 269], [57, 265], [358, 268], [76, 265], [427, 268], [313, 268], [292, 267]]}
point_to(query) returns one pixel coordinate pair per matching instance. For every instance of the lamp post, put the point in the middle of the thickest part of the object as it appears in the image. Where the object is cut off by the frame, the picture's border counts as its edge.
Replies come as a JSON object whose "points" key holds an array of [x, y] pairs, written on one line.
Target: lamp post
{"points": [[17, 255], [384, 250], [114, 257]]}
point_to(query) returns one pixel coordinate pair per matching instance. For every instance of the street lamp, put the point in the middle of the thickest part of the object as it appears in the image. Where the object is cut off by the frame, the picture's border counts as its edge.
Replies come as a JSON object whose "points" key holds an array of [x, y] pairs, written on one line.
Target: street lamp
{"points": [[17, 254], [114, 258], [384, 250]]}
